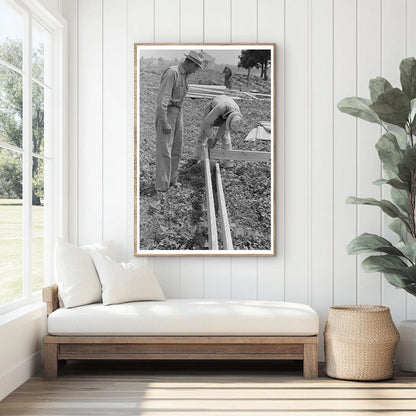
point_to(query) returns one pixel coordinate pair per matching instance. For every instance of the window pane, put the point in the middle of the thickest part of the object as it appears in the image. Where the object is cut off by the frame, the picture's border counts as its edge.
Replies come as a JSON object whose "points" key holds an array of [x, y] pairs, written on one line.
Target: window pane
{"points": [[41, 46], [11, 34], [11, 226], [38, 118], [11, 107], [38, 229]]}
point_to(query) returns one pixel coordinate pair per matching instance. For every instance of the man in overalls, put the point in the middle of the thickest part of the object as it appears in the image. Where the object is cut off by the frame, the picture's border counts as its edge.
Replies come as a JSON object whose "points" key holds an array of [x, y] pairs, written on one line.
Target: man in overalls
{"points": [[169, 119], [222, 112]]}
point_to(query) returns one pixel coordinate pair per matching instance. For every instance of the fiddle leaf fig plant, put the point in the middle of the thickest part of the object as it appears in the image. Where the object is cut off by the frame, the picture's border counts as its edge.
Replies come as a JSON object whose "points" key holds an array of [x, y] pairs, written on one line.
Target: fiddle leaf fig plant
{"points": [[394, 109]]}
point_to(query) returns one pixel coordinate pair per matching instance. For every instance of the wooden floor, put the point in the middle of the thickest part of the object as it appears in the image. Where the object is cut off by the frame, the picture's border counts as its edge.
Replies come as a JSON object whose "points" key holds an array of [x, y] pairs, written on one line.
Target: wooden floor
{"points": [[191, 389]]}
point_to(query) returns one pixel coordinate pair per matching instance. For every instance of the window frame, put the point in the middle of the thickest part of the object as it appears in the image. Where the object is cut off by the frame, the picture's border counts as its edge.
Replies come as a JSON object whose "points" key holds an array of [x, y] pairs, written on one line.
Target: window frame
{"points": [[57, 225]]}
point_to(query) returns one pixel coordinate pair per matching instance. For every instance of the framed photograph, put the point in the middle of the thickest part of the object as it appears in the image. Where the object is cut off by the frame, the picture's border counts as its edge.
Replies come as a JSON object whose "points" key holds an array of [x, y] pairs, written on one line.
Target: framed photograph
{"points": [[204, 131]]}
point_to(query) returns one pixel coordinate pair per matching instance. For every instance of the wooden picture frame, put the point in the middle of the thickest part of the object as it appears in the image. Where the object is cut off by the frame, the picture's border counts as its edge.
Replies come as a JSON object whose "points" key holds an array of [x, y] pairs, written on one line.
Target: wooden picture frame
{"points": [[222, 201]]}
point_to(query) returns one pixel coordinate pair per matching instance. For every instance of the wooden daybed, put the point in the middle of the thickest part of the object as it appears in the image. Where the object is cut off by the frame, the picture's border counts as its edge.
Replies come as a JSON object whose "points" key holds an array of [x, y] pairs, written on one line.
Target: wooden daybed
{"points": [[247, 346]]}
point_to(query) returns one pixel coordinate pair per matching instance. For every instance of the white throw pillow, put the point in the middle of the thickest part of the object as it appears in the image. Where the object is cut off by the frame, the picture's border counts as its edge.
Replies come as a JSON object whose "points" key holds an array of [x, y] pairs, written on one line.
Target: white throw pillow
{"points": [[126, 282], [75, 273]]}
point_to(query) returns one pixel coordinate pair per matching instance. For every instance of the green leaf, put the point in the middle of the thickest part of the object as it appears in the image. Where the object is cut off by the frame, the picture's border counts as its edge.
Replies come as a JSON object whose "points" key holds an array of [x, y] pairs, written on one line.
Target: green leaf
{"points": [[392, 107], [400, 228], [398, 184], [400, 198], [410, 158], [359, 107], [397, 280], [380, 182], [389, 151], [408, 77], [385, 262], [401, 139], [378, 86], [366, 243], [408, 249], [404, 173], [389, 208]]}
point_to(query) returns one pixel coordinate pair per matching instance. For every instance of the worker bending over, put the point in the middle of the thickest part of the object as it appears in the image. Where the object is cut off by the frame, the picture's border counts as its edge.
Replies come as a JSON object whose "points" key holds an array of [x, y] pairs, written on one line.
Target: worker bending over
{"points": [[222, 112]]}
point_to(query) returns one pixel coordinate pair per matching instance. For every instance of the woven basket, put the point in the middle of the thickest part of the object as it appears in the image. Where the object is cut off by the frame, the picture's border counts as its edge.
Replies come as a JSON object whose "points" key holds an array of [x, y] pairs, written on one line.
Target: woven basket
{"points": [[360, 341]]}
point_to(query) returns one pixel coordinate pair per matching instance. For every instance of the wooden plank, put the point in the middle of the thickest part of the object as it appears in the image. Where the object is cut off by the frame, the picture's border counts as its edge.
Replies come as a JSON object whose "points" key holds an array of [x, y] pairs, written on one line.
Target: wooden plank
{"points": [[53, 339], [310, 361], [208, 86], [211, 220], [246, 155], [222, 208], [179, 356], [50, 360], [148, 348], [50, 297]]}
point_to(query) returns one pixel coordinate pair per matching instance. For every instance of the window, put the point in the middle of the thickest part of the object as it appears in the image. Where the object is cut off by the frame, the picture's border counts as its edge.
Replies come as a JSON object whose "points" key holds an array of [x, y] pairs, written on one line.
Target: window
{"points": [[31, 140]]}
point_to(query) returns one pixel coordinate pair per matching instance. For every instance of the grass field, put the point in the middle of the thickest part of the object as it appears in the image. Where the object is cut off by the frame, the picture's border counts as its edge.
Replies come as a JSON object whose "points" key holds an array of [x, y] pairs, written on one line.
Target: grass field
{"points": [[11, 249]]}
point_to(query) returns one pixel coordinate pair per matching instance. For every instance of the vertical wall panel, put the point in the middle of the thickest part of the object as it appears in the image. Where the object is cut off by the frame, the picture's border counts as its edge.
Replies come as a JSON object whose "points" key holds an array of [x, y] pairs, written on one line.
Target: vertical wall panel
{"points": [[115, 53], [217, 21], [345, 151], [296, 152], [167, 21], [140, 30], [271, 29], [192, 21], [393, 51], [217, 278], [243, 21], [368, 163], [321, 165], [70, 11], [192, 30], [244, 29], [217, 29], [90, 128], [411, 51]]}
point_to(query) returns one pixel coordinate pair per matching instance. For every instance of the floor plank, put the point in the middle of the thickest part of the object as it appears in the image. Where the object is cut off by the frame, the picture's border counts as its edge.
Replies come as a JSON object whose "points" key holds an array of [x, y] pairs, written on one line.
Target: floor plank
{"points": [[226, 389]]}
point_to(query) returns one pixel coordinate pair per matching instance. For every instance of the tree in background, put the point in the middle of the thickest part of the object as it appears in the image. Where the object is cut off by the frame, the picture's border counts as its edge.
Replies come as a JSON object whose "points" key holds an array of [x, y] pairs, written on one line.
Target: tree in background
{"points": [[255, 58], [11, 116]]}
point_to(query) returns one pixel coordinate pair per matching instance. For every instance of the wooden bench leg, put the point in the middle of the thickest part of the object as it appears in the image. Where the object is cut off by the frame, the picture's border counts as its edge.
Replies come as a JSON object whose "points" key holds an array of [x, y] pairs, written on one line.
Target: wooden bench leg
{"points": [[50, 360], [310, 360]]}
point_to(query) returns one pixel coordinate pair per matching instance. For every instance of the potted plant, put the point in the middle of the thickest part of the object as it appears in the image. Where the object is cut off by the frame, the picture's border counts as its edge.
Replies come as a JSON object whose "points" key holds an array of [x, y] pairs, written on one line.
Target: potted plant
{"points": [[396, 149]]}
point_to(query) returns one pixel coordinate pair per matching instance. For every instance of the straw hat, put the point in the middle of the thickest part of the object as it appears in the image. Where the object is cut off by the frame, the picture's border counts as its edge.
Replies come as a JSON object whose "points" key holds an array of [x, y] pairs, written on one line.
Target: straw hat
{"points": [[234, 121], [194, 57]]}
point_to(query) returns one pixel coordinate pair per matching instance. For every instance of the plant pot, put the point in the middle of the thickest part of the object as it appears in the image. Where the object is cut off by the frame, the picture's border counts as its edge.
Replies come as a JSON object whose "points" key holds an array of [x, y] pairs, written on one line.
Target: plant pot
{"points": [[360, 341], [406, 349]]}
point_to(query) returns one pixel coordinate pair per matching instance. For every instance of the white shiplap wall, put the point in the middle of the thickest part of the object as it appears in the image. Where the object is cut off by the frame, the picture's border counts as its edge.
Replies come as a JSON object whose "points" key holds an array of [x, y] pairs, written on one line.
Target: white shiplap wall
{"points": [[326, 50]]}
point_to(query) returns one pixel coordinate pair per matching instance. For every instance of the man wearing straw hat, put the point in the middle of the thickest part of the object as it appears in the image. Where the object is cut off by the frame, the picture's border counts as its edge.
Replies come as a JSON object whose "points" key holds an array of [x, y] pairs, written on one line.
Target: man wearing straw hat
{"points": [[222, 112], [169, 119]]}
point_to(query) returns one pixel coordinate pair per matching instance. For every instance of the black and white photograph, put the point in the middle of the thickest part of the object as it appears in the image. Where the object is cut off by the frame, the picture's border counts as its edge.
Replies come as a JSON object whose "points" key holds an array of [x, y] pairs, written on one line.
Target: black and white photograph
{"points": [[204, 149]]}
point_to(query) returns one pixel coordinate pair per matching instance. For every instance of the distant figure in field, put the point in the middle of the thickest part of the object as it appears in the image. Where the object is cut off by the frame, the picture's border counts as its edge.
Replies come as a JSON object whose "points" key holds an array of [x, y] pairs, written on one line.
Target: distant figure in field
{"points": [[228, 74], [222, 112], [169, 120]]}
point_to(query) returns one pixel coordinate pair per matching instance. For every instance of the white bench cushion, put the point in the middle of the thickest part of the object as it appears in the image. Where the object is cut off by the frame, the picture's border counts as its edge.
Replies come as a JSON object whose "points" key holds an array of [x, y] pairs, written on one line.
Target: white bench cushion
{"points": [[187, 317]]}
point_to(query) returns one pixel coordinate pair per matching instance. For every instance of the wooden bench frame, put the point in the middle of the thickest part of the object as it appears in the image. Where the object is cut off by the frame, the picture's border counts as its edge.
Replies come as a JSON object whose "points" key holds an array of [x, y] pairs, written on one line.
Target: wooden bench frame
{"points": [[58, 349]]}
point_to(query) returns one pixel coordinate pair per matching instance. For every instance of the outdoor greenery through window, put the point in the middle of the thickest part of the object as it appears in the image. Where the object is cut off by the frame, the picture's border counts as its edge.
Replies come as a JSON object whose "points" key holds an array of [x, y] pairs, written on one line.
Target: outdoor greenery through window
{"points": [[25, 151]]}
